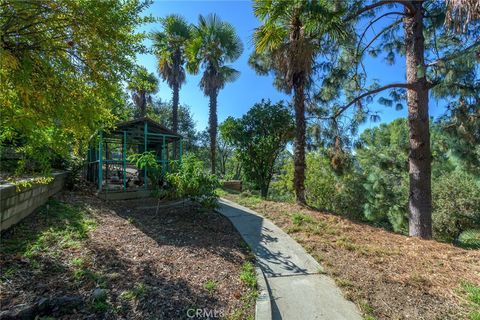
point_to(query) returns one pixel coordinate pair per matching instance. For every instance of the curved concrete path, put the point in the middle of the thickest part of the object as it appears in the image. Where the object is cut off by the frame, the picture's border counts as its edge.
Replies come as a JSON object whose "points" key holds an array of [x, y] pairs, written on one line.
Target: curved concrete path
{"points": [[297, 287]]}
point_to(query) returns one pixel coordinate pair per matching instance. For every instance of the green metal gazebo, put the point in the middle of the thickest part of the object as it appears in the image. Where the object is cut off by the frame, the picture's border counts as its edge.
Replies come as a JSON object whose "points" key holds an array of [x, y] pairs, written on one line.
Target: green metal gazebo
{"points": [[107, 158]]}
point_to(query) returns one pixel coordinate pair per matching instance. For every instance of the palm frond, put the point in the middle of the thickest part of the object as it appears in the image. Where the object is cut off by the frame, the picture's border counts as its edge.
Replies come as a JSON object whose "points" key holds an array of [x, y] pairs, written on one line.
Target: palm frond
{"points": [[228, 74], [460, 13]]}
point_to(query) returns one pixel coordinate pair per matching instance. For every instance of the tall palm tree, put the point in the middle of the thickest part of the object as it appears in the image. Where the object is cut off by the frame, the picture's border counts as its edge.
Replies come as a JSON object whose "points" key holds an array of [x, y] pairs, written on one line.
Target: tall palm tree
{"points": [[288, 43], [169, 48], [214, 43], [142, 85]]}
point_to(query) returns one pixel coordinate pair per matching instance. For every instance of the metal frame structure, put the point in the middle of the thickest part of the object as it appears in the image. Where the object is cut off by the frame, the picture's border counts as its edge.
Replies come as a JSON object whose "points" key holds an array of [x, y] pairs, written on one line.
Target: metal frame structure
{"points": [[107, 158]]}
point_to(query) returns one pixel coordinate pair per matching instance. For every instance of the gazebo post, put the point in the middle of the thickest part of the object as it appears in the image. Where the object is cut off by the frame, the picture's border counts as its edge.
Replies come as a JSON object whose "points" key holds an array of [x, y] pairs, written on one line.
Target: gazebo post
{"points": [[164, 156], [180, 153], [100, 163], [124, 158], [145, 137]]}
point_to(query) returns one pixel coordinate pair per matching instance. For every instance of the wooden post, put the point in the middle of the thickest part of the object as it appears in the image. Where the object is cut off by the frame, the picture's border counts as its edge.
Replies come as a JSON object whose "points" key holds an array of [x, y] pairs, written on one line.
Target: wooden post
{"points": [[145, 139], [164, 156], [180, 153], [124, 160], [100, 163]]}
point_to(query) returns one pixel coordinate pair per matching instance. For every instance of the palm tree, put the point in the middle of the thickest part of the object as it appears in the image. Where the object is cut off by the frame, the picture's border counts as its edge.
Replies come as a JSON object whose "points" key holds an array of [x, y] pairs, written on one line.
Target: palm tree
{"points": [[288, 43], [214, 43], [169, 48], [143, 85]]}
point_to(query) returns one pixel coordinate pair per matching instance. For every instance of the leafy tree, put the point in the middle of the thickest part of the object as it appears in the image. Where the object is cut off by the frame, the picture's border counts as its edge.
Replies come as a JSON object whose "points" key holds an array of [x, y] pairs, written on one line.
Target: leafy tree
{"points": [[214, 43], [461, 123], [169, 48], [324, 188], [227, 164], [456, 200], [288, 43], [259, 137], [61, 68], [225, 153], [142, 85], [382, 154], [437, 61], [162, 112]]}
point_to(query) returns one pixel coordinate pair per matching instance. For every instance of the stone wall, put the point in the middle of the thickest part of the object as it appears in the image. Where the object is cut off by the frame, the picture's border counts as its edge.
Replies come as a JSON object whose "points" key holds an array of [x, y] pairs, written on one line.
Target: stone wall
{"points": [[16, 205]]}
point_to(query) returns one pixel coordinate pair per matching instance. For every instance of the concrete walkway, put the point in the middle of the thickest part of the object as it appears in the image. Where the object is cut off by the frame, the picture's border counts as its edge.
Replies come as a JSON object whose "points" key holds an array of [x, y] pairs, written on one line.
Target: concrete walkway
{"points": [[297, 287]]}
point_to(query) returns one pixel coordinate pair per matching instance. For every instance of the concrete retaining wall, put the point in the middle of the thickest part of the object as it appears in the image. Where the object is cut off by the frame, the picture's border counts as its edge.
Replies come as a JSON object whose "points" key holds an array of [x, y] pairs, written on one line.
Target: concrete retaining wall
{"points": [[16, 205]]}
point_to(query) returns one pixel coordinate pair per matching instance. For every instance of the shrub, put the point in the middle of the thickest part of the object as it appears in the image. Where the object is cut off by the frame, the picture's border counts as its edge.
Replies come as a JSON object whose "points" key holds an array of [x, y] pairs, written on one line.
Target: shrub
{"points": [[324, 188], [188, 179], [456, 205], [386, 199], [469, 239]]}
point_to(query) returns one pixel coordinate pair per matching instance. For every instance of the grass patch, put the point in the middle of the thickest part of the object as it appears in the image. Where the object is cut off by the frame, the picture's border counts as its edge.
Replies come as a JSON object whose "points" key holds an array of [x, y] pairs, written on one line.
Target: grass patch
{"points": [[249, 201], [210, 286], [99, 306], [294, 229], [299, 219], [88, 275], [221, 193], [472, 293], [139, 291], [248, 275], [58, 226], [344, 283], [367, 310]]}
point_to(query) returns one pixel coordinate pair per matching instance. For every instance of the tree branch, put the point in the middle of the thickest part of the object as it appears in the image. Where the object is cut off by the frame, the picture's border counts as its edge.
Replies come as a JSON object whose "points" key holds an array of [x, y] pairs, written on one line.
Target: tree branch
{"points": [[374, 21], [473, 46], [379, 34], [378, 4], [368, 93]]}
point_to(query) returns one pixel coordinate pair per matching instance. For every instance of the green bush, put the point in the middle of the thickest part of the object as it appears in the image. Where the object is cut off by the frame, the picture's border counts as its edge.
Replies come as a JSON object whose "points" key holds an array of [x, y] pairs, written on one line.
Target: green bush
{"points": [[188, 179], [469, 239], [324, 188], [386, 199], [456, 205]]}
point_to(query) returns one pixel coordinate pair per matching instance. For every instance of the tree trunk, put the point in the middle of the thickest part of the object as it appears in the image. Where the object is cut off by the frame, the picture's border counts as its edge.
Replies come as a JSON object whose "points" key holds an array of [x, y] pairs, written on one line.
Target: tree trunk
{"points": [[143, 107], [175, 100], [212, 130], [264, 190], [420, 196], [299, 141]]}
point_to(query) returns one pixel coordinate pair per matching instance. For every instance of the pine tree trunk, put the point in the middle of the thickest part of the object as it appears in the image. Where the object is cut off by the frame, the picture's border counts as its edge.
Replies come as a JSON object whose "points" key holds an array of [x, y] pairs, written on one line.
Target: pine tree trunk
{"points": [[299, 140], [420, 196], [175, 100], [212, 130]]}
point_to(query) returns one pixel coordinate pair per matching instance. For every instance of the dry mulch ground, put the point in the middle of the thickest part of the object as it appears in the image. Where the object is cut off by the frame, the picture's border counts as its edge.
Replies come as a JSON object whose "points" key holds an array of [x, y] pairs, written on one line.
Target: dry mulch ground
{"points": [[151, 266], [389, 276]]}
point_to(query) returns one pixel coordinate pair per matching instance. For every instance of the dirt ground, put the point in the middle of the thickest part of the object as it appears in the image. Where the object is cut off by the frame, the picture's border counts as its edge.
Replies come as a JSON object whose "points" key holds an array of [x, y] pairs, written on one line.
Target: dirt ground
{"points": [[389, 276], [146, 265]]}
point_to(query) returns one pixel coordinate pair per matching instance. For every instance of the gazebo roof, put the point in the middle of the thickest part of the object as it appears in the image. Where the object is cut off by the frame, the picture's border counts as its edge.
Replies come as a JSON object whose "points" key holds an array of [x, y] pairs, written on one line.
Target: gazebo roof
{"points": [[153, 126]]}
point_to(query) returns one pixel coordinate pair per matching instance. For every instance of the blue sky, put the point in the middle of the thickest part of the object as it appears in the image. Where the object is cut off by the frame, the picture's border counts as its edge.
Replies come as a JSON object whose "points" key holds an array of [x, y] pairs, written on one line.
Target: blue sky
{"points": [[237, 97]]}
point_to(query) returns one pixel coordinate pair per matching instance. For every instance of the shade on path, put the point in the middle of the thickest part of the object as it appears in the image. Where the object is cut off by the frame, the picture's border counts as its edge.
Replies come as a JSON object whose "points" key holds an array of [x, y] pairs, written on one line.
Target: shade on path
{"points": [[296, 283]]}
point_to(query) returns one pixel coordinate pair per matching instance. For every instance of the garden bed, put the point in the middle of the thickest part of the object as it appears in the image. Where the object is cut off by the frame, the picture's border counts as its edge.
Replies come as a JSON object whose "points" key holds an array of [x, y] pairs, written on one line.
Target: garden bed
{"points": [[80, 257], [389, 276]]}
